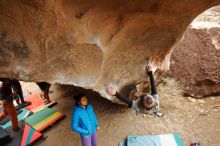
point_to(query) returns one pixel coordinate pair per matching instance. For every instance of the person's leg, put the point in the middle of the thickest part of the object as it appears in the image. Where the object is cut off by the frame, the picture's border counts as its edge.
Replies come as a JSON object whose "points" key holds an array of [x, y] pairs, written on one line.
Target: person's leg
{"points": [[17, 98], [21, 96], [45, 87], [12, 114], [46, 93], [16, 86], [3, 114], [20, 92], [94, 139], [86, 141]]}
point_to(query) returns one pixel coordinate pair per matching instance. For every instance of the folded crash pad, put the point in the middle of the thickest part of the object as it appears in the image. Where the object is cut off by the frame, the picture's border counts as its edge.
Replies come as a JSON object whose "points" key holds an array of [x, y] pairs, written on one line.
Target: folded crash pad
{"points": [[30, 135], [154, 140], [4, 137], [26, 135], [22, 105], [123, 143], [24, 113], [7, 119], [37, 103], [43, 119]]}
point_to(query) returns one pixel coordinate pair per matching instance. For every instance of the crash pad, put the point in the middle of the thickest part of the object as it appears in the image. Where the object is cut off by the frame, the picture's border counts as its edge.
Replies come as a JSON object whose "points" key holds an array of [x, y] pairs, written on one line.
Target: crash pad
{"points": [[153, 140], [37, 103], [7, 119], [4, 137], [29, 135], [22, 105], [26, 135], [43, 119], [24, 113], [123, 143]]}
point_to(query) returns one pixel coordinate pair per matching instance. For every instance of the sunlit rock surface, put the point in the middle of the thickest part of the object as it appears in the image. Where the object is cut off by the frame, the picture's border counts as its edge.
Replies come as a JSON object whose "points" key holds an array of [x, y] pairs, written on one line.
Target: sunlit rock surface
{"points": [[91, 43]]}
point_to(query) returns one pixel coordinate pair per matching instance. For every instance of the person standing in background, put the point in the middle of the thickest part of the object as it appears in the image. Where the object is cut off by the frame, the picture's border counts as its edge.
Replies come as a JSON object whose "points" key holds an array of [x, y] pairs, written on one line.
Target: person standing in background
{"points": [[84, 120], [7, 103], [45, 87]]}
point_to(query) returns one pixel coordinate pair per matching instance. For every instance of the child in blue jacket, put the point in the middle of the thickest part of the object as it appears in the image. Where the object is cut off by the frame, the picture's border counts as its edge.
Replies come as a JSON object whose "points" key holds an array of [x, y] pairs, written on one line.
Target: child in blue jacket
{"points": [[84, 120]]}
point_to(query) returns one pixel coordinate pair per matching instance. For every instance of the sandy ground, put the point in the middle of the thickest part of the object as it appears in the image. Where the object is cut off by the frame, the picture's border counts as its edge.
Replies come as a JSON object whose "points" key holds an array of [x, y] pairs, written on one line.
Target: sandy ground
{"points": [[117, 122]]}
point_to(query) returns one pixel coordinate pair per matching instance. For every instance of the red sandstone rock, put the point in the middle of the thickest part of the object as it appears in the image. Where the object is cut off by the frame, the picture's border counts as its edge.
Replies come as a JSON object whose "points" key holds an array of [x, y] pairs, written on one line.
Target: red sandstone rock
{"points": [[196, 62]]}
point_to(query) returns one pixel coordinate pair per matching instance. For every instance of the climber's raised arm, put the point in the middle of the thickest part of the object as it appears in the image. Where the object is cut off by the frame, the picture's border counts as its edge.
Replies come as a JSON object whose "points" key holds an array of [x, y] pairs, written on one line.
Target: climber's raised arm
{"points": [[152, 80]]}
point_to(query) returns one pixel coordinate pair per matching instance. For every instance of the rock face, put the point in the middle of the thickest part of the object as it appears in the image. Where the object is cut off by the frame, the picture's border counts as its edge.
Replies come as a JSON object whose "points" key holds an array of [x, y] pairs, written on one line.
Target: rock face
{"points": [[91, 44], [196, 60]]}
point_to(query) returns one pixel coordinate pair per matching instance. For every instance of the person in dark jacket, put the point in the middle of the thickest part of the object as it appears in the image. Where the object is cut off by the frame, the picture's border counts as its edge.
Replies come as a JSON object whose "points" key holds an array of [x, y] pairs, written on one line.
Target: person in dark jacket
{"points": [[147, 103], [45, 87], [84, 120], [7, 102]]}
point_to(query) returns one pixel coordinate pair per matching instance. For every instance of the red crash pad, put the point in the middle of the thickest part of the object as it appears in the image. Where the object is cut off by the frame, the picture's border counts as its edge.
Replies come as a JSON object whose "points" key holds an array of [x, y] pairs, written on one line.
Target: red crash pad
{"points": [[37, 103], [29, 136]]}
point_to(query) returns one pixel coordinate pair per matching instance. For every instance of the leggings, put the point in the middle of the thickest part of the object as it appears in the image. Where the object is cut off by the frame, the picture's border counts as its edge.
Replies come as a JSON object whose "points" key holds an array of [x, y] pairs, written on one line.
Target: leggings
{"points": [[89, 140]]}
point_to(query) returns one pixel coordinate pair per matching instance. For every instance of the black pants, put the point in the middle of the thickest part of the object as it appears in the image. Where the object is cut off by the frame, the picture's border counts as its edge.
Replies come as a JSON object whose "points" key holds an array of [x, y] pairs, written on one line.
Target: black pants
{"points": [[16, 86]]}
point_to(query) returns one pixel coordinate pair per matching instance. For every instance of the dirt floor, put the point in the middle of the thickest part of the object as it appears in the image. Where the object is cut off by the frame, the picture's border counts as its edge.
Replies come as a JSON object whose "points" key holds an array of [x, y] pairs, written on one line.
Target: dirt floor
{"points": [[182, 115]]}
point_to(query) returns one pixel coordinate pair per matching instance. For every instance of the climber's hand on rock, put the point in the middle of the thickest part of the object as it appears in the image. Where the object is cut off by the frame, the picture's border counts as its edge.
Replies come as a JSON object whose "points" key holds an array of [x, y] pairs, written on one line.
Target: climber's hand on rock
{"points": [[111, 91], [148, 68]]}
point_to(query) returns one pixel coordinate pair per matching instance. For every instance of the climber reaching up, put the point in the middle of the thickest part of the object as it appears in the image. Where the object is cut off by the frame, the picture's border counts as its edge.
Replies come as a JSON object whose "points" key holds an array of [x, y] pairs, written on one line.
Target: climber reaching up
{"points": [[147, 103]]}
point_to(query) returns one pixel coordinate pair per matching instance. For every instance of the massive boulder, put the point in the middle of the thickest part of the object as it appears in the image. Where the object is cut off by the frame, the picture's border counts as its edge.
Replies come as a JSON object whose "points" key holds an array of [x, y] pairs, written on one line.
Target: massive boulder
{"points": [[91, 43], [195, 61]]}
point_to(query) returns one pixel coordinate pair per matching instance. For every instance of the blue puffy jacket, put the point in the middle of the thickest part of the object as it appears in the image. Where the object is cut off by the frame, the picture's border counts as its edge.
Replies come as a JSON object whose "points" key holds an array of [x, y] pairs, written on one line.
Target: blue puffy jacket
{"points": [[84, 120]]}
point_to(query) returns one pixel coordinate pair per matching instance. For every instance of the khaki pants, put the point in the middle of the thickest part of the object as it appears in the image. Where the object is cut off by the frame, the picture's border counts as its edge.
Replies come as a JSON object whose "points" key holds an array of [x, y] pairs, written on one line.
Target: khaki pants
{"points": [[9, 109]]}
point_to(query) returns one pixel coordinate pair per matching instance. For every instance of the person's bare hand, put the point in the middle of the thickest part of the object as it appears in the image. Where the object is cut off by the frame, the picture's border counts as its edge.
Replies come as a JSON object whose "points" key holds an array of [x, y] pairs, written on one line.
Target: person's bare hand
{"points": [[98, 128], [111, 91], [148, 68]]}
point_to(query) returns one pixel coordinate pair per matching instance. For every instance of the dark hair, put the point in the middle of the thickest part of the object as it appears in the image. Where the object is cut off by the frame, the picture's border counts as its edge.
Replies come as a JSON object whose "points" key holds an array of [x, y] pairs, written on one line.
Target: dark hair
{"points": [[78, 97], [145, 100], [149, 100]]}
